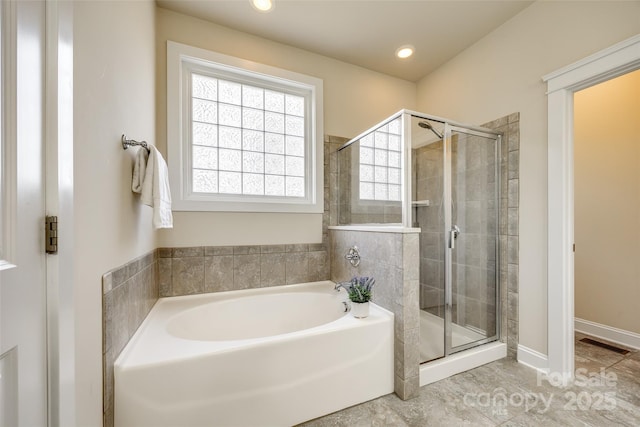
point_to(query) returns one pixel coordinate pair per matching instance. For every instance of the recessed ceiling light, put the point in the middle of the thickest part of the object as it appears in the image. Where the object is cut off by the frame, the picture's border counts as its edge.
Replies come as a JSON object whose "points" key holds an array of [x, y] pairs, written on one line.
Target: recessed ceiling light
{"points": [[405, 51], [262, 5]]}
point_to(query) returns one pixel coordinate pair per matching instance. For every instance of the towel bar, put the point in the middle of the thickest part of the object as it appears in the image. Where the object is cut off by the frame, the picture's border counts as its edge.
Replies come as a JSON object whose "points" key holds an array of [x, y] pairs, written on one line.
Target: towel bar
{"points": [[126, 143]]}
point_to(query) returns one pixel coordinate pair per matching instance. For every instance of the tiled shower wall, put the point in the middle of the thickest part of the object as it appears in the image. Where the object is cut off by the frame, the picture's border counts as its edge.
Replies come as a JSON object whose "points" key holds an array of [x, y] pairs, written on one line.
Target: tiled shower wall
{"points": [[508, 227], [428, 185], [474, 179]]}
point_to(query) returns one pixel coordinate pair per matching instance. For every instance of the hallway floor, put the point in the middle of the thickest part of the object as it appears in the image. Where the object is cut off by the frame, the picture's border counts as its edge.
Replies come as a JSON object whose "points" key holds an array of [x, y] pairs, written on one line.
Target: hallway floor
{"points": [[505, 393]]}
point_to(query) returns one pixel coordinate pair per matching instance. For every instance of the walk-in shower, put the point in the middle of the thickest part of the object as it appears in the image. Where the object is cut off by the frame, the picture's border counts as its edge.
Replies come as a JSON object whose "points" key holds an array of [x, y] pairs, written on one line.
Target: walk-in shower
{"points": [[418, 171]]}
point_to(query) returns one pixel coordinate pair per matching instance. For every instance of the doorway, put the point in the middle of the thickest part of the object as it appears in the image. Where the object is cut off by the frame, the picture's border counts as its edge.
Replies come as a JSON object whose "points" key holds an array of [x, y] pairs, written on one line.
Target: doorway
{"points": [[607, 196], [562, 84]]}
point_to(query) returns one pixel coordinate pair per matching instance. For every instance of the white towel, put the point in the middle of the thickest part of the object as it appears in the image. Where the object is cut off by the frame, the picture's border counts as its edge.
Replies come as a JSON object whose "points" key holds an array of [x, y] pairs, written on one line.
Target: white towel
{"points": [[151, 180], [139, 170]]}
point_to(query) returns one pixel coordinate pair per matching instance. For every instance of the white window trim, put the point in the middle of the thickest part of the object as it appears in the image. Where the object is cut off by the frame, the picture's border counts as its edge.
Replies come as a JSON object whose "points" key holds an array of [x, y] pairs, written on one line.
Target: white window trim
{"points": [[177, 158]]}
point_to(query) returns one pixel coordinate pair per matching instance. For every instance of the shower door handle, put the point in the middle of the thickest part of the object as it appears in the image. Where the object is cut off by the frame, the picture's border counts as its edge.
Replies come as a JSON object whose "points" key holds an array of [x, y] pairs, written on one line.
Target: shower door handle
{"points": [[453, 235]]}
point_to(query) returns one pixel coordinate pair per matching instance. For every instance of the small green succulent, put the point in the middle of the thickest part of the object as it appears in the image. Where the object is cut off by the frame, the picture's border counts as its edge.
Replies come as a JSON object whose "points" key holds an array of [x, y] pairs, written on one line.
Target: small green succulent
{"points": [[359, 288]]}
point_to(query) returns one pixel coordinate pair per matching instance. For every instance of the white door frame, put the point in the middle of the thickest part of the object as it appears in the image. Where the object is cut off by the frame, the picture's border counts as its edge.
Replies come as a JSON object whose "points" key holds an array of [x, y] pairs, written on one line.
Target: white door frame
{"points": [[614, 61], [59, 202]]}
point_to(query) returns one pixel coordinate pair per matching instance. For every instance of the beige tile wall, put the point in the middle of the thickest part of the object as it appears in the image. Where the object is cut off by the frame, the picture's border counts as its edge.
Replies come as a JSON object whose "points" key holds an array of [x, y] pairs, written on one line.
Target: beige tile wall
{"points": [[129, 293], [508, 227], [392, 259], [196, 270], [428, 185]]}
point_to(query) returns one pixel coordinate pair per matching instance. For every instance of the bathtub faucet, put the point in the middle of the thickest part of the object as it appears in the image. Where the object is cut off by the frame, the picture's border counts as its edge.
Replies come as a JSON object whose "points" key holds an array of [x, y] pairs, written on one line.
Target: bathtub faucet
{"points": [[353, 255], [338, 286]]}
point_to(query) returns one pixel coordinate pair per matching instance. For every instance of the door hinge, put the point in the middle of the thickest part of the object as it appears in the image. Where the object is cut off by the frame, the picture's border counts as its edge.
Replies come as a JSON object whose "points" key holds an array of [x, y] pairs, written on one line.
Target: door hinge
{"points": [[51, 234]]}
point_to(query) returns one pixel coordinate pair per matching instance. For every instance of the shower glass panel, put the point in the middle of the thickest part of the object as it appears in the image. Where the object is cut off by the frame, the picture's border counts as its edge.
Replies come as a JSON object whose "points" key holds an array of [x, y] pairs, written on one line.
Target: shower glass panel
{"points": [[427, 161], [474, 232], [370, 177]]}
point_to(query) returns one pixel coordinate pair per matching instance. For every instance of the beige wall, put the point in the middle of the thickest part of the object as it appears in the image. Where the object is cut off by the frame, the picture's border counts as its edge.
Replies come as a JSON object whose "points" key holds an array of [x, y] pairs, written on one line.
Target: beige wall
{"points": [[114, 93], [607, 202], [354, 100], [501, 74]]}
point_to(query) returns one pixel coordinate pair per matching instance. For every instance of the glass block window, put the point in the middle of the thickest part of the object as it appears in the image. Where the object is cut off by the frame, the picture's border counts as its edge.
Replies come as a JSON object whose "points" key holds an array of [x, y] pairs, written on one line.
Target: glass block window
{"points": [[242, 136], [380, 163], [246, 139]]}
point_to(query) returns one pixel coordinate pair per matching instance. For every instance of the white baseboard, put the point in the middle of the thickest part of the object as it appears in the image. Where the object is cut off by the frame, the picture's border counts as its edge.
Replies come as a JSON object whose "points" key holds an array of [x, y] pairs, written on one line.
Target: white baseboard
{"points": [[609, 333], [533, 359]]}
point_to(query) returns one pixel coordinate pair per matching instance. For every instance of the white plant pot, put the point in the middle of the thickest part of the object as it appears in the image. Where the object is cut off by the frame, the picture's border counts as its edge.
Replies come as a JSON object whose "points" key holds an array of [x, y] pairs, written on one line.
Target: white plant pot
{"points": [[360, 310]]}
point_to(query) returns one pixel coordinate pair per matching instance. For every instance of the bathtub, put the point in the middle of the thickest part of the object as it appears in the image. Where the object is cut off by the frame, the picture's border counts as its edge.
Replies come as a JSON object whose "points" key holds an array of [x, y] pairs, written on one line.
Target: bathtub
{"points": [[261, 357]]}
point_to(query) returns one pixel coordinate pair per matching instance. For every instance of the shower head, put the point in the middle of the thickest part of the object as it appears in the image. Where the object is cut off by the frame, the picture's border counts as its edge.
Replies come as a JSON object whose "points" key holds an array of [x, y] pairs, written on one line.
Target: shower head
{"points": [[427, 125]]}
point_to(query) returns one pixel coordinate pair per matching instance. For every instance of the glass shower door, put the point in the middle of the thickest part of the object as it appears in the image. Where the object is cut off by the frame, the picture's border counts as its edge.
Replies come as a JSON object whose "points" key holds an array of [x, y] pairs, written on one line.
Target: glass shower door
{"points": [[455, 189], [471, 228]]}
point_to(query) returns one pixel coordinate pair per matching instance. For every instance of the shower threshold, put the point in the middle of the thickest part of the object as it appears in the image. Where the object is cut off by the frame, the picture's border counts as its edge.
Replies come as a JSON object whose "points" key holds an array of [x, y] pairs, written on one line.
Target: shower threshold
{"points": [[460, 362]]}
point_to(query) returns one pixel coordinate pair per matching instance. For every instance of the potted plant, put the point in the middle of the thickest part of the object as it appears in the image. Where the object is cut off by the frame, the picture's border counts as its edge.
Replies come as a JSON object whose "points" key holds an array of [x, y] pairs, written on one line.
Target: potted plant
{"points": [[359, 290]]}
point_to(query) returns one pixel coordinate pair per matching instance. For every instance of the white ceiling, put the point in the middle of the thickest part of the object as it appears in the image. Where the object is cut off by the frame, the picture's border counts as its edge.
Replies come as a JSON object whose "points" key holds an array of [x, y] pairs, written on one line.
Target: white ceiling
{"points": [[364, 32]]}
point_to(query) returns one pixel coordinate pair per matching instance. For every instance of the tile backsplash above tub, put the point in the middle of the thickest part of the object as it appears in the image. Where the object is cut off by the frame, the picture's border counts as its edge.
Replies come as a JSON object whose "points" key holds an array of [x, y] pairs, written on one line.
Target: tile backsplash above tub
{"points": [[128, 294], [202, 269]]}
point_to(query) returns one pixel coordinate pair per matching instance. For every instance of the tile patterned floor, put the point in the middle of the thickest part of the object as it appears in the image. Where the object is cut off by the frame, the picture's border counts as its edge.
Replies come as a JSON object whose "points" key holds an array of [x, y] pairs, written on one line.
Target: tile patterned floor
{"points": [[504, 393]]}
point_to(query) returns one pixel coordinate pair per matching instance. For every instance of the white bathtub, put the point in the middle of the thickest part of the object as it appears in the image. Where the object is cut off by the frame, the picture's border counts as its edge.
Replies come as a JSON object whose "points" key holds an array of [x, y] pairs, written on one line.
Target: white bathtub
{"points": [[262, 357]]}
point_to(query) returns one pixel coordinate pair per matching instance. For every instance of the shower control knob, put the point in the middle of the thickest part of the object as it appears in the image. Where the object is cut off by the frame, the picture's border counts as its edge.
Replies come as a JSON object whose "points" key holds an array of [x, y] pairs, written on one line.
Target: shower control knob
{"points": [[353, 256]]}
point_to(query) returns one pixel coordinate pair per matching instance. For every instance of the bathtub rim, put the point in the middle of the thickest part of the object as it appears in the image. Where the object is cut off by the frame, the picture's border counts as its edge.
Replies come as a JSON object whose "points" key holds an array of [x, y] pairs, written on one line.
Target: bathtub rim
{"points": [[224, 303], [190, 349]]}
